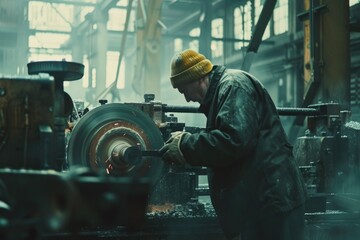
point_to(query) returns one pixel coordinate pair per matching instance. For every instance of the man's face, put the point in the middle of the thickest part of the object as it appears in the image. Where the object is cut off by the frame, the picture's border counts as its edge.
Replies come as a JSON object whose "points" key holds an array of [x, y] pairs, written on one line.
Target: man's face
{"points": [[194, 91]]}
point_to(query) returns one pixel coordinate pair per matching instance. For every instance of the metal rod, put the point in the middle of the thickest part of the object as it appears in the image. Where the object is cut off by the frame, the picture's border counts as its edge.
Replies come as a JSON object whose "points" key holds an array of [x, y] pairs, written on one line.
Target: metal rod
{"points": [[284, 111], [181, 109]]}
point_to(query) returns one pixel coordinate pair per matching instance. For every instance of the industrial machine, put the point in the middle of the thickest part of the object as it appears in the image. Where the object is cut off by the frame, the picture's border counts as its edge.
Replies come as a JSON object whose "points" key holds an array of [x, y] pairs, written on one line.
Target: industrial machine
{"points": [[38, 193], [103, 176], [26, 129], [328, 156]]}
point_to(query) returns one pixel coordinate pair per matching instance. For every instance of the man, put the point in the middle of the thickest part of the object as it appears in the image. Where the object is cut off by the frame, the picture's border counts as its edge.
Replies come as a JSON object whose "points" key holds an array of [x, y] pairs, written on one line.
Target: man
{"points": [[256, 188]]}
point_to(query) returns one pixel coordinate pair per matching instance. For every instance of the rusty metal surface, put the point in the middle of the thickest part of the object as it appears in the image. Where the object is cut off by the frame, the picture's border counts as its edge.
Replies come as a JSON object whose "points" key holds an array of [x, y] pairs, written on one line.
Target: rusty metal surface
{"points": [[26, 121], [103, 128]]}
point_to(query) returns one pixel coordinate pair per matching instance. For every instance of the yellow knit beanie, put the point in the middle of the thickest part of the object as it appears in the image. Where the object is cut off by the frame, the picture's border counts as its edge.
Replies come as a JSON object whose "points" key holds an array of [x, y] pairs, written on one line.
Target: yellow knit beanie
{"points": [[188, 66]]}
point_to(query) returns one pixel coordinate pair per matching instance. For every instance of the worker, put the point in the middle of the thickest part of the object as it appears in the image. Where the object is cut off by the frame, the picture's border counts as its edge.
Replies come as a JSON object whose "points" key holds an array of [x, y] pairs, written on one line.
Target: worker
{"points": [[255, 186]]}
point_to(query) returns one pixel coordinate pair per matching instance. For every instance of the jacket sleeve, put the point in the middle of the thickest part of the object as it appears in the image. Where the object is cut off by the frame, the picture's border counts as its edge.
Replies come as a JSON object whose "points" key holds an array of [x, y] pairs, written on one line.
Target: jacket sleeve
{"points": [[235, 131]]}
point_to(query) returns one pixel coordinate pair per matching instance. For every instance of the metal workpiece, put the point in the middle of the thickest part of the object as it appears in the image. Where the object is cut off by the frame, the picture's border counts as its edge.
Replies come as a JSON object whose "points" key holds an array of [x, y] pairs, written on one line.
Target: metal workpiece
{"points": [[131, 155], [110, 135], [124, 152]]}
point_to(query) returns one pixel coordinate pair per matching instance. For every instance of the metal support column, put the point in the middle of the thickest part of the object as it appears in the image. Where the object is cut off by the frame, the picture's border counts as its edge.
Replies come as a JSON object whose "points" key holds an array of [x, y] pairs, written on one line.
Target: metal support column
{"points": [[78, 49], [335, 41], [228, 31], [101, 42], [205, 30], [326, 54], [147, 69], [326, 41]]}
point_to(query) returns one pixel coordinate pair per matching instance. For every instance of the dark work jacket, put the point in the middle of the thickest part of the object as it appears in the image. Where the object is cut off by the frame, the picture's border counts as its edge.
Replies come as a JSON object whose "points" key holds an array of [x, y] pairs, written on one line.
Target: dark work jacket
{"points": [[251, 169]]}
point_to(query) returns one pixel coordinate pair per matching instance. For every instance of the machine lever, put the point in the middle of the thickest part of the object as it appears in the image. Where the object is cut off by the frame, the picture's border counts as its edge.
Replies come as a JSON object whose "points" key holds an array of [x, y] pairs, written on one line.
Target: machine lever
{"points": [[150, 153], [130, 155]]}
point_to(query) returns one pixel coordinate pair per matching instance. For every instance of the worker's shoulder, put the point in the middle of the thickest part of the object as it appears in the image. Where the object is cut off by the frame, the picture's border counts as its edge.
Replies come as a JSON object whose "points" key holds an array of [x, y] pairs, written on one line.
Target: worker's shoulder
{"points": [[237, 74], [235, 77]]}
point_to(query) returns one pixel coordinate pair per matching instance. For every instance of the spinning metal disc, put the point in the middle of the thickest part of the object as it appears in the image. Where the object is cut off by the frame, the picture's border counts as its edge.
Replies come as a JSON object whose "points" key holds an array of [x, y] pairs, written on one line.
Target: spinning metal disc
{"points": [[111, 128]]}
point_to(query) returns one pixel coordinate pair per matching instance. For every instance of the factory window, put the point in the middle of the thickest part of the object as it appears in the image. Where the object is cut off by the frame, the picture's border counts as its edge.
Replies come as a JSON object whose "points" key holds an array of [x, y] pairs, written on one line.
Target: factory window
{"points": [[217, 31], [49, 16], [194, 44], [46, 17], [178, 44], [122, 3], [85, 79], [355, 89], [111, 68], [353, 2], [242, 25], [46, 54], [258, 8], [93, 78], [47, 40], [117, 18], [281, 16]]}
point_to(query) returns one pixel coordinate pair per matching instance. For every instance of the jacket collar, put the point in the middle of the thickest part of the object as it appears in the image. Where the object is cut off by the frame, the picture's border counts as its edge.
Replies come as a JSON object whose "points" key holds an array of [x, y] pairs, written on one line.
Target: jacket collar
{"points": [[215, 76]]}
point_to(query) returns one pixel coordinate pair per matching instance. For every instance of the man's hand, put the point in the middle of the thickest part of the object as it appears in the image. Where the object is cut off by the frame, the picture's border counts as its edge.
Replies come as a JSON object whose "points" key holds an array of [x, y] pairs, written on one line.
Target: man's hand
{"points": [[173, 135], [171, 152]]}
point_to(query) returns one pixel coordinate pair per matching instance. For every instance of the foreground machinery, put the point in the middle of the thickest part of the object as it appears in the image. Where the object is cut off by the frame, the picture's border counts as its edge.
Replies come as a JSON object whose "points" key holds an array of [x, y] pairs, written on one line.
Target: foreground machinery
{"points": [[38, 193], [328, 156], [105, 178]]}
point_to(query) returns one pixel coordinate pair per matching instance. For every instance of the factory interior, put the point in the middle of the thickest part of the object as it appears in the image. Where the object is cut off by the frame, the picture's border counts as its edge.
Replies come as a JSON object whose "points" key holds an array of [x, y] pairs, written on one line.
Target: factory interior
{"points": [[86, 102]]}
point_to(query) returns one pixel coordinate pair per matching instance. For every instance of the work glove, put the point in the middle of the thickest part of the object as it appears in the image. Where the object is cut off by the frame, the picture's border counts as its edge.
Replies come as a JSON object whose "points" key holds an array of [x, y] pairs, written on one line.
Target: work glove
{"points": [[173, 135], [171, 152]]}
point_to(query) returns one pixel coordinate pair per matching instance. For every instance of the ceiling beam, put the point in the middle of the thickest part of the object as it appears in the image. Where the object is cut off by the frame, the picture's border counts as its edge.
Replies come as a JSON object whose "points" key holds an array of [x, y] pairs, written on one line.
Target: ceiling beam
{"points": [[193, 17]]}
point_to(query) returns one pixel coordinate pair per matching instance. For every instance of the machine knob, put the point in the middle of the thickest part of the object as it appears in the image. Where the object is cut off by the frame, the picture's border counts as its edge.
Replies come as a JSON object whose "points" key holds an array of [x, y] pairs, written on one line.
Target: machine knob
{"points": [[103, 101]]}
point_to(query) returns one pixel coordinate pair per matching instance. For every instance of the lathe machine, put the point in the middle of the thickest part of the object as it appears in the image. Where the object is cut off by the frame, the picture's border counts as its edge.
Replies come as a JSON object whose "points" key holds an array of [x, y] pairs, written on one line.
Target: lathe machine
{"points": [[70, 173]]}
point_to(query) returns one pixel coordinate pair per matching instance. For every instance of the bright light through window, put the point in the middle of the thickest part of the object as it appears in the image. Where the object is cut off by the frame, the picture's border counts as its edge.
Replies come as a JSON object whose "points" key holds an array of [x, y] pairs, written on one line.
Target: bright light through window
{"points": [[117, 18], [111, 67], [258, 9], [242, 24], [281, 17], [47, 40], [50, 16], [353, 2], [194, 44], [45, 57], [178, 44], [217, 30]]}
